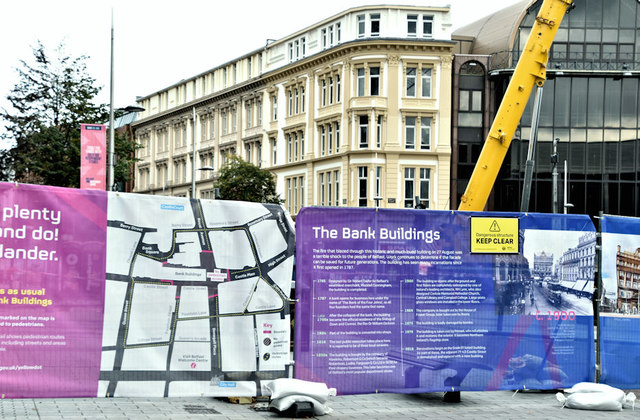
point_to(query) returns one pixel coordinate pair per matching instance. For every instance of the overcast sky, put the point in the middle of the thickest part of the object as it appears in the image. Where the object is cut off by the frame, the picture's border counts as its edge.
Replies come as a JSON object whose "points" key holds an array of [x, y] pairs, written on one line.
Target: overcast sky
{"points": [[158, 43]]}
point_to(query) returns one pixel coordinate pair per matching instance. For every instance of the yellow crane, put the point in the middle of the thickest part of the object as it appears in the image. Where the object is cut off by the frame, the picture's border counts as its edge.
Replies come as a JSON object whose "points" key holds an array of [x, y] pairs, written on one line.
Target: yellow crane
{"points": [[529, 72]]}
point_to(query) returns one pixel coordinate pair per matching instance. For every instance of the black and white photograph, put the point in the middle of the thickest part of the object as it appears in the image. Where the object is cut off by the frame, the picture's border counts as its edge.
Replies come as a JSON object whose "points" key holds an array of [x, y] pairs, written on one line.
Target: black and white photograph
{"points": [[553, 276]]}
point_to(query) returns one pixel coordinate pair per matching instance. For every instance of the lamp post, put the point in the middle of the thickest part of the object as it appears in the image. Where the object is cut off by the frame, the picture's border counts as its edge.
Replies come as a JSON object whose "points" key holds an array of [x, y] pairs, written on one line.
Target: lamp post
{"points": [[128, 109], [567, 205], [111, 132], [207, 168]]}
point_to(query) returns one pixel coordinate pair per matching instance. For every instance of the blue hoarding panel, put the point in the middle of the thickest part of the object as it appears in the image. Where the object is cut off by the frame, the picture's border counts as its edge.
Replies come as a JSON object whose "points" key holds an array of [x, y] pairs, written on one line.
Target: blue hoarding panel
{"points": [[620, 314], [420, 301]]}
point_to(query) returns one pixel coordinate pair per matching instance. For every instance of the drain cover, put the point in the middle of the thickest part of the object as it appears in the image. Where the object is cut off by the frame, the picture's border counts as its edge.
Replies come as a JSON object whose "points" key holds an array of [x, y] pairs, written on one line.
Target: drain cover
{"points": [[199, 409]]}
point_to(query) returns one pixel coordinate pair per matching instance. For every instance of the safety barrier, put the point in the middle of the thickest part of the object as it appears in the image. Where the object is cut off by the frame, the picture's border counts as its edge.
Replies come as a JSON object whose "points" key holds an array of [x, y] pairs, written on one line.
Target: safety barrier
{"points": [[109, 294]]}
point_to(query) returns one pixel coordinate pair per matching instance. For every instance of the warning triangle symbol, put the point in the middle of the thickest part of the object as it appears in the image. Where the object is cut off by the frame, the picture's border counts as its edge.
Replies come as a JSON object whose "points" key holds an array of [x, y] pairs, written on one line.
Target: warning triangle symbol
{"points": [[494, 227]]}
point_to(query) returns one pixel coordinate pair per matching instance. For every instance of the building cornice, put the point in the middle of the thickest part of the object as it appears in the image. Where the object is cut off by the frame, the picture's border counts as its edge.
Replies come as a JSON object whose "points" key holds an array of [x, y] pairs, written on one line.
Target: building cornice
{"points": [[230, 93], [292, 70], [288, 38]]}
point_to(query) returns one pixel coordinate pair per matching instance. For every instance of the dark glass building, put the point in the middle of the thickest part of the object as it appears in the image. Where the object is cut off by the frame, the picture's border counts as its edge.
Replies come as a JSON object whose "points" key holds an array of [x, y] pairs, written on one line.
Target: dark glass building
{"points": [[590, 102]]}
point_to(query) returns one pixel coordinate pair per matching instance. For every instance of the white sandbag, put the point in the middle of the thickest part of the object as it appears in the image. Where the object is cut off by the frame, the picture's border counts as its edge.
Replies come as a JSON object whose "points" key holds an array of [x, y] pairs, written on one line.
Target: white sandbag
{"points": [[592, 396], [284, 386], [629, 400], [591, 387], [284, 403], [601, 401]]}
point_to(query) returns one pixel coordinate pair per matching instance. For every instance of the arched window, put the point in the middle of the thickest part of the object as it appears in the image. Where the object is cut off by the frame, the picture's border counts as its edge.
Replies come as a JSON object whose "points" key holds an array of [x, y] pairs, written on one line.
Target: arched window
{"points": [[470, 98]]}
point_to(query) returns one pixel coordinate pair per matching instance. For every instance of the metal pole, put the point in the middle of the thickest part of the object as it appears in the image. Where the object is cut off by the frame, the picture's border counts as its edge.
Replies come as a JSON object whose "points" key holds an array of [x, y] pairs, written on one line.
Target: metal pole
{"points": [[110, 182], [193, 158], [528, 173], [554, 176], [565, 187], [566, 182], [598, 299]]}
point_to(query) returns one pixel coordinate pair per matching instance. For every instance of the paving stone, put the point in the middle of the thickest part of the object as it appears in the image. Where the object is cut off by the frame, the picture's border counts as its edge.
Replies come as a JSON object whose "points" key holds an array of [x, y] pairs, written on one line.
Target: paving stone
{"points": [[474, 405]]}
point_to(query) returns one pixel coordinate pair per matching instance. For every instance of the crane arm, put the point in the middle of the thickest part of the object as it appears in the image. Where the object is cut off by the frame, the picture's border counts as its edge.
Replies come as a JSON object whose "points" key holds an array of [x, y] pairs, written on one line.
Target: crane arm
{"points": [[529, 72]]}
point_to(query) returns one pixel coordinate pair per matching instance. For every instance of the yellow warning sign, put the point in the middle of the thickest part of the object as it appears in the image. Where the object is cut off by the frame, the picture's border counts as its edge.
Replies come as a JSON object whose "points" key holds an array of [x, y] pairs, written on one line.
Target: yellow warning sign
{"points": [[494, 235]]}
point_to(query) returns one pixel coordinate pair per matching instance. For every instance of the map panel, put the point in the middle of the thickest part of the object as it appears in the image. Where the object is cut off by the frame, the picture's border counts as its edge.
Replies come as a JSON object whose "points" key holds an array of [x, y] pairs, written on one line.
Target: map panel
{"points": [[197, 297]]}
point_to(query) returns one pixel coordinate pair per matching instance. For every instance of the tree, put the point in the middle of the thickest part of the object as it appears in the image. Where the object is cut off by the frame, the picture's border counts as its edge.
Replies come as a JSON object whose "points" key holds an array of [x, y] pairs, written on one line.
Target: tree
{"points": [[53, 97], [243, 181], [125, 151], [6, 165]]}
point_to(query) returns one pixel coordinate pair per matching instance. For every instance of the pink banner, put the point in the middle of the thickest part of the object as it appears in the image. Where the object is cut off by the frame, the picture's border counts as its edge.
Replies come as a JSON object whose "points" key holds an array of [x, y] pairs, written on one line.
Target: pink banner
{"points": [[52, 270], [93, 168]]}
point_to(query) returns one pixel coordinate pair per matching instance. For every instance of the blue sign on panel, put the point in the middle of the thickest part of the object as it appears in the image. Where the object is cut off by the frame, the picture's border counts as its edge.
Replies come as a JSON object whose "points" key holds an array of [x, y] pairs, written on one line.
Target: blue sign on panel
{"points": [[175, 207]]}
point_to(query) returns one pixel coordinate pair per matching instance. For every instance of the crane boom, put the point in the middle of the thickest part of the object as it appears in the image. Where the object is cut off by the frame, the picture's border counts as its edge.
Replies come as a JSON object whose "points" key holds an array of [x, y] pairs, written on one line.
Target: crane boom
{"points": [[529, 72]]}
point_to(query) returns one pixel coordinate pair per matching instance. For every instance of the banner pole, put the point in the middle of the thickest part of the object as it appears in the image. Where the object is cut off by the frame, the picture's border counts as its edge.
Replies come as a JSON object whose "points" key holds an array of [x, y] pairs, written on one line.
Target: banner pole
{"points": [[111, 177]]}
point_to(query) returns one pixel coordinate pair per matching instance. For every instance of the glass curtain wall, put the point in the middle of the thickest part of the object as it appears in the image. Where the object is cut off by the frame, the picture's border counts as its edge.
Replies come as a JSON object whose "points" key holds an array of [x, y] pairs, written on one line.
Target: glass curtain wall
{"points": [[590, 103]]}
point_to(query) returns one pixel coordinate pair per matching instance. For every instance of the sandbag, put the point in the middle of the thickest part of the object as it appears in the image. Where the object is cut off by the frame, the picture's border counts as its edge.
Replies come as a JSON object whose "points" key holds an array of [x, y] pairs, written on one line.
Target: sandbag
{"points": [[284, 387], [601, 401], [591, 387], [592, 396], [284, 403]]}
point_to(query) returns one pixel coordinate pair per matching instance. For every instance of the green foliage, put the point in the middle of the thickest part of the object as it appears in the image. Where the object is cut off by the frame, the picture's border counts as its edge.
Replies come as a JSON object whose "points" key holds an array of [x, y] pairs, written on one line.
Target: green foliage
{"points": [[243, 181], [6, 165], [53, 96], [125, 150], [49, 156]]}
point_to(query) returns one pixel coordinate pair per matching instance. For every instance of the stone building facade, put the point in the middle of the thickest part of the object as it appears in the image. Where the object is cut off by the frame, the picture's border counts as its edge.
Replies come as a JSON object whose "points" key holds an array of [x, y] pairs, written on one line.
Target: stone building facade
{"points": [[352, 111]]}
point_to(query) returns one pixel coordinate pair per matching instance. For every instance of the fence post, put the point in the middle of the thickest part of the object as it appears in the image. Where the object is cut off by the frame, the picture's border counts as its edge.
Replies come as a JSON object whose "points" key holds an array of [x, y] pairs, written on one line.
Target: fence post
{"points": [[598, 297]]}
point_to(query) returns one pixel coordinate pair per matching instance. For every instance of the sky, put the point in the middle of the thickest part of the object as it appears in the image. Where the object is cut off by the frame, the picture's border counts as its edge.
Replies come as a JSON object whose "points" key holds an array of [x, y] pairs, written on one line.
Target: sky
{"points": [[158, 43]]}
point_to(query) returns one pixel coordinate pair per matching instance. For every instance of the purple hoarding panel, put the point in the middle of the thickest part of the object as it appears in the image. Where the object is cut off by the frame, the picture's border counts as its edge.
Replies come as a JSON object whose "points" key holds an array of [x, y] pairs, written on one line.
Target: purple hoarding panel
{"points": [[52, 268], [418, 301]]}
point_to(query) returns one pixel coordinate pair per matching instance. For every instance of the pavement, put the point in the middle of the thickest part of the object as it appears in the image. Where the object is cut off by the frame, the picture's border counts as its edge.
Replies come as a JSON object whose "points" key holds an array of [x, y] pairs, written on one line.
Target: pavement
{"points": [[473, 405]]}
